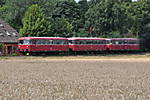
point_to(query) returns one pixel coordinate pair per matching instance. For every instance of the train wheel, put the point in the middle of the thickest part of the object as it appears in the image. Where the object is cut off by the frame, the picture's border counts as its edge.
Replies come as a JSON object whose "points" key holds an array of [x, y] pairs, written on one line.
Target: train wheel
{"points": [[22, 53]]}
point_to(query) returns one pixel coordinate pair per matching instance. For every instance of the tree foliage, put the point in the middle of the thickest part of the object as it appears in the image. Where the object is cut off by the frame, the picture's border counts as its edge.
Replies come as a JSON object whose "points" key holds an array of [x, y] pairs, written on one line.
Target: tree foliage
{"points": [[34, 22], [106, 17], [68, 10], [61, 27]]}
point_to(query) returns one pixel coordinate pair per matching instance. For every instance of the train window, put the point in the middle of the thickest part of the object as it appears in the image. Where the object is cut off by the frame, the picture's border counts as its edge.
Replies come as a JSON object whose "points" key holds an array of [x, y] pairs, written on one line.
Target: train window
{"points": [[80, 42], [56, 42], [116, 42], [108, 42], [26, 42], [76, 42], [113, 41], [89, 42], [20, 41], [60, 42], [95, 42], [49, 41], [83, 42], [132, 42], [99, 42], [104, 42], [125, 42], [33, 41], [72, 42], [42, 42], [121, 42], [129, 42]]}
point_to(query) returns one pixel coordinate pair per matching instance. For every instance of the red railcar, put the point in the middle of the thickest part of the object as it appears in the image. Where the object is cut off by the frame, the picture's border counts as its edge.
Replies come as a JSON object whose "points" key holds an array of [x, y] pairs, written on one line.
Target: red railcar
{"points": [[123, 44], [87, 44], [42, 44], [58, 44]]}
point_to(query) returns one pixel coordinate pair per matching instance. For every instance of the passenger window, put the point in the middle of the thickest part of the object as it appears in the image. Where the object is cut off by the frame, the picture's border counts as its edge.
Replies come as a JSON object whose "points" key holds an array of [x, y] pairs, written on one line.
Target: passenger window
{"points": [[60, 42], [70, 42], [117, 42], [33, 41], [113, 42], [26, 42], [125, 42]]}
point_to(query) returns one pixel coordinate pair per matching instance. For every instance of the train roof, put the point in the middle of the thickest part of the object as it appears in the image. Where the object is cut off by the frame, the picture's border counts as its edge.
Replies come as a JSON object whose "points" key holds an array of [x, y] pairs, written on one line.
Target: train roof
{"points": [[29, 38], [85, 38]]}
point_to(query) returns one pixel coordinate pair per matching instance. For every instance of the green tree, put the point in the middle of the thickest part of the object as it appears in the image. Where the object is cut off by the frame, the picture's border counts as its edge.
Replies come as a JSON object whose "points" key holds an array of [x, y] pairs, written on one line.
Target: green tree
{"points": [[94, 2], [139, 14], [17, 8], [106, 18], [62, 27], [3, 11], [141, 21], [70, 11], [83, 5], [34, 22]]}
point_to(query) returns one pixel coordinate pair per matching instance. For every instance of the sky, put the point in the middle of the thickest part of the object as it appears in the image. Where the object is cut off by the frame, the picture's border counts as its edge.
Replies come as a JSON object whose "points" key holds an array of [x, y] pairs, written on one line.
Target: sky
{"points": [[78, 0], [88, 0]]}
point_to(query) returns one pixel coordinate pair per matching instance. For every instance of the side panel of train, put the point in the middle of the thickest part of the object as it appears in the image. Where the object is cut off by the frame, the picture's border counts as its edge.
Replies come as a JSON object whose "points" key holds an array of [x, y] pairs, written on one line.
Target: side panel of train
{"points": [[123, 44], [49, 44], [43, 44], [87, 44], [42, 48]]}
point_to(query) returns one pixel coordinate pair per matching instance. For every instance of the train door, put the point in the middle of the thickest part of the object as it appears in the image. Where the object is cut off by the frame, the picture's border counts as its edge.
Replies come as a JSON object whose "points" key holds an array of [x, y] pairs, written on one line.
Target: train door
{"points": [[126, 46]]}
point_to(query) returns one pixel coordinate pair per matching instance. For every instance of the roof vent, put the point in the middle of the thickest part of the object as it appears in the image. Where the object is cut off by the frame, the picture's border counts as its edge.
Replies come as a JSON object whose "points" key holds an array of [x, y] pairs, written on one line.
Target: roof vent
{"points": [[8, 33], [1, 25]]}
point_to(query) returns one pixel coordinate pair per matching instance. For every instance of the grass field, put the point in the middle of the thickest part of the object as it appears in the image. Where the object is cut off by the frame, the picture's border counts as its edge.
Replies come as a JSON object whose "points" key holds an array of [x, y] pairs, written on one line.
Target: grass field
{"points": [[113, 77], [82, 57]]}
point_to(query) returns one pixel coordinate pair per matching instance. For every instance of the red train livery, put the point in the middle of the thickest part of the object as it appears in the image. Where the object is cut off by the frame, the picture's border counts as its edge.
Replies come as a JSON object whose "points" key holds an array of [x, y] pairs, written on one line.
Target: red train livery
{"points": [[42, 44], [87, 44], [122, 44], [59, 44]]}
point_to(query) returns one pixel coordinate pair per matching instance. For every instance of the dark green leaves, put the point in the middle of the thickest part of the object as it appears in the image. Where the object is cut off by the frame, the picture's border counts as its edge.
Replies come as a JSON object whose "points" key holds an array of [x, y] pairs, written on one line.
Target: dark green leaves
{"points": [[34, 22]]}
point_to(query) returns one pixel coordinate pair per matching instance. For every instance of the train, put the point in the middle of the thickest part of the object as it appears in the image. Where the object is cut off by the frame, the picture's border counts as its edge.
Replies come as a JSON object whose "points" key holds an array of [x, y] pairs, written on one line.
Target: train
{"points": [[39, 45]]}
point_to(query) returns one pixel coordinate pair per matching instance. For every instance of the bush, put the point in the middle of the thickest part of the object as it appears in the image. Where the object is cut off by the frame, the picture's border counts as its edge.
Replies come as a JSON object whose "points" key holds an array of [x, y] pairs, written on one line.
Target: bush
{"points": [[1, 45]]}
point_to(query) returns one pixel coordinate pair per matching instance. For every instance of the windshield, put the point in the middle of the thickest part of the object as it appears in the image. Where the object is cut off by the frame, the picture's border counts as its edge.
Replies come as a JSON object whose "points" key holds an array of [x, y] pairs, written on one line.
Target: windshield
{"points": [[25, 42]]}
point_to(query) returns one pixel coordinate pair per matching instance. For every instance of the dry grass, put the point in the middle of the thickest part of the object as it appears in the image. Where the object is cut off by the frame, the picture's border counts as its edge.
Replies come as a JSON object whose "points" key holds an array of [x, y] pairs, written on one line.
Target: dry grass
{"points": [[47, 79], [82, 57]]}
